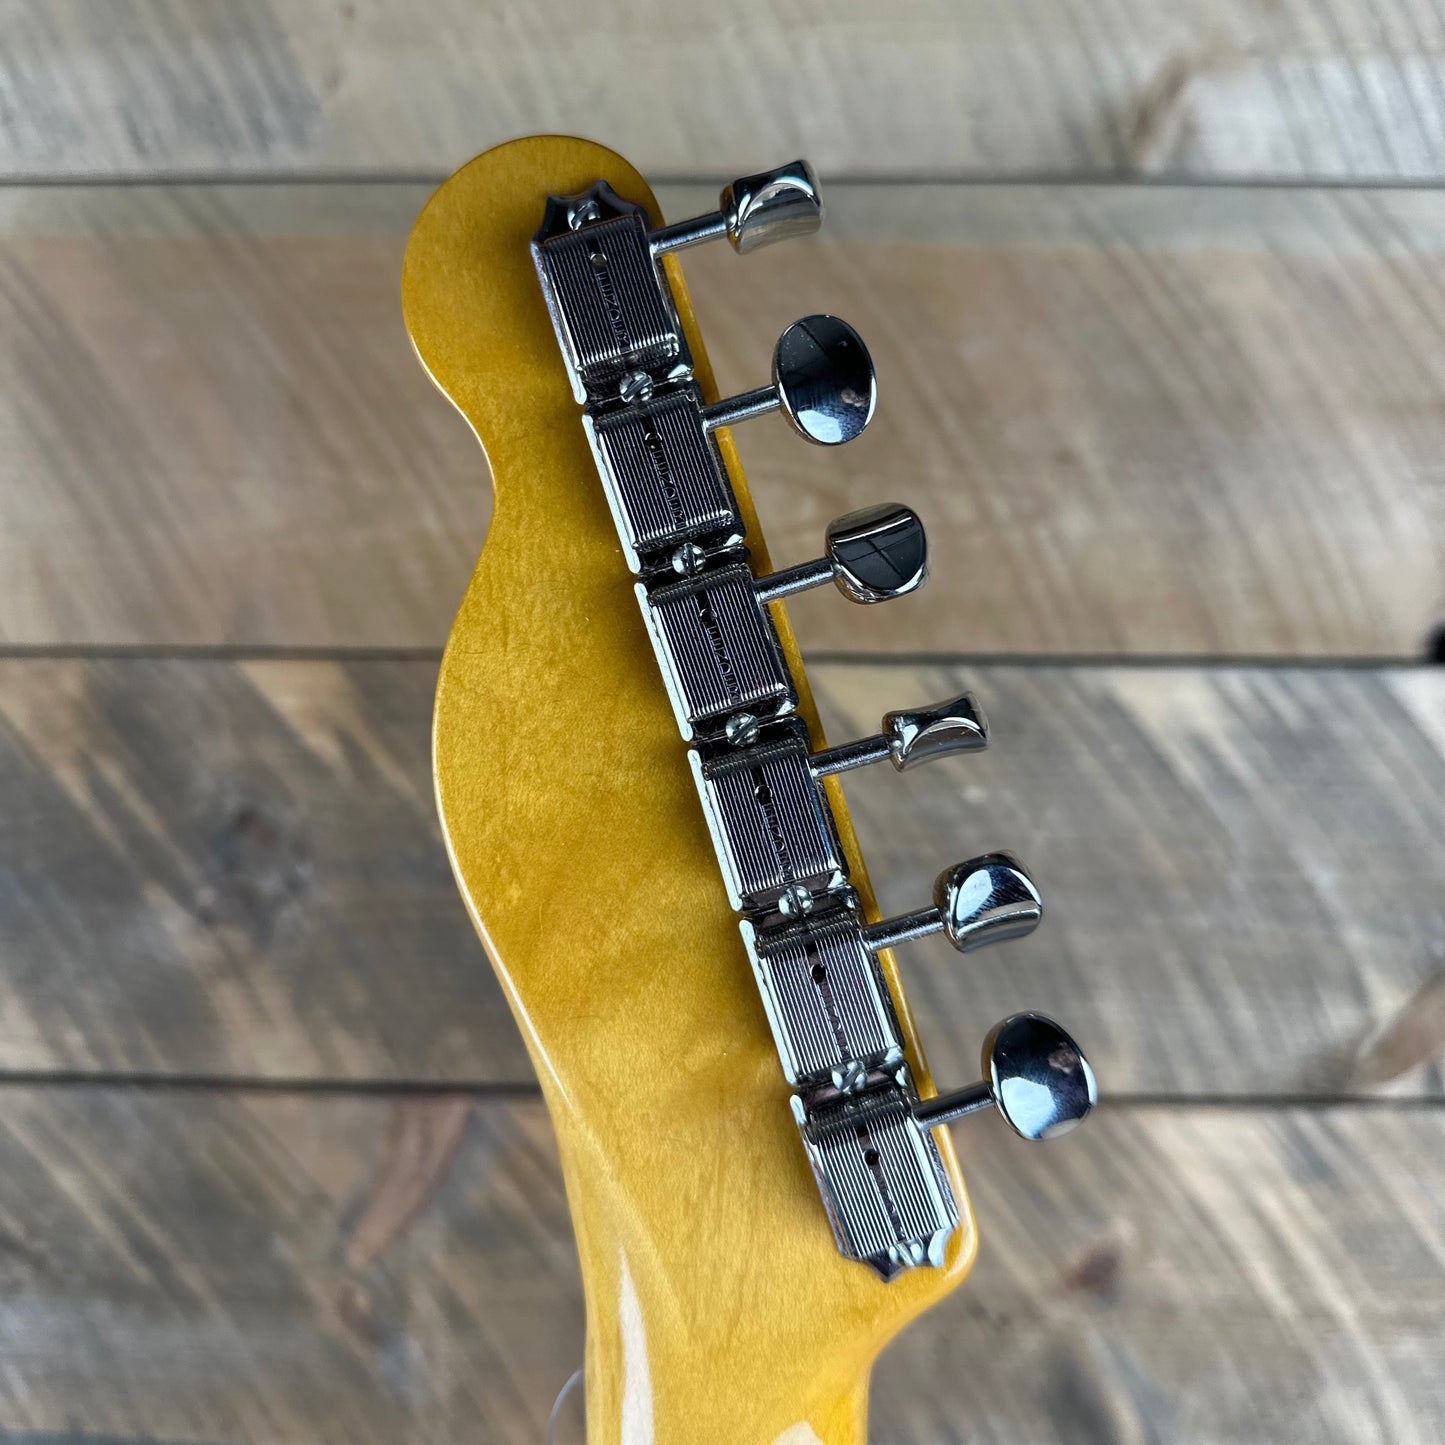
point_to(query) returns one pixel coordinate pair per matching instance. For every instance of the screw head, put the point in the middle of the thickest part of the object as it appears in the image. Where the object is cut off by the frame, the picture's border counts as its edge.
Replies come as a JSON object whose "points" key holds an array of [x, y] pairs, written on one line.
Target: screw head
{"points": [[741, 729], [583, 214], [794, 901], [850, 1077], [634, 387], [1038, 1076], [688, 559]]}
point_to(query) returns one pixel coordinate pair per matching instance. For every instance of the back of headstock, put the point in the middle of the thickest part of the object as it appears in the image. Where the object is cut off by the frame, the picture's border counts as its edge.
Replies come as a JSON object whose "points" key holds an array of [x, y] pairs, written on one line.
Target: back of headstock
{"points": [[668, 1042]]}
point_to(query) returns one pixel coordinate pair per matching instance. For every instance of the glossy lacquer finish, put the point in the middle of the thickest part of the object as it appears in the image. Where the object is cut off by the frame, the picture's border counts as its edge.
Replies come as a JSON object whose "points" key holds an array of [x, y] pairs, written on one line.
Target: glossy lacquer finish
{"points": [[718, 1309]]}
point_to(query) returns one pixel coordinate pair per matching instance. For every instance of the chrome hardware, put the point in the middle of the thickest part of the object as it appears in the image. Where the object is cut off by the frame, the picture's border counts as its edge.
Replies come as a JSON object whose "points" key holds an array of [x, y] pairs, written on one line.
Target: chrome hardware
{"points": [[665, 482], [770, 823], [877, 1168], [815, 961], [873, 555], [985, 900], [753, 211], [880, 1176], [912, 736], [614, 318], [717, 646], [1034, 1074], [718, 651], [823, 382], [826, 1002]]}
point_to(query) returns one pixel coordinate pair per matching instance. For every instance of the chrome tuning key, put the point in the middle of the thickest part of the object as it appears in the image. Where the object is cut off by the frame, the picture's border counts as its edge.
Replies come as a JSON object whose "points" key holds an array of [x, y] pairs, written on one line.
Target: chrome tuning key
{"points": [[823, 382], [611, 307], [772, 826], [816, 966], [1034, 1074], [814, 957], [873, 555], [987, 900], [753, 211], [911, 736], [875, 1161], [717, 646], [660, 466]]}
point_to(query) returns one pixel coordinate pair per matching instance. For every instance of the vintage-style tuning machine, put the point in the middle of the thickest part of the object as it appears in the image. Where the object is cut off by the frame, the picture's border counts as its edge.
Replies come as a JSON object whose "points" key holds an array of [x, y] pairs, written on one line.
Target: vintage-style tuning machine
{"points": [[823, 382], [986, 900], [911, 736], [773, 830], [878, 1166], [1034, 1074], [872, 555], [599, 264], [816, 968], [717, 647], [753, 211]]}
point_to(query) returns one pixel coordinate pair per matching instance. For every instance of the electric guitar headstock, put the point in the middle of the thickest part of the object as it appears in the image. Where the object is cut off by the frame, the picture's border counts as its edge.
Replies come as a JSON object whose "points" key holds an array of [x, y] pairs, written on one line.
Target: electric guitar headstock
{"points": [[648, 827]]}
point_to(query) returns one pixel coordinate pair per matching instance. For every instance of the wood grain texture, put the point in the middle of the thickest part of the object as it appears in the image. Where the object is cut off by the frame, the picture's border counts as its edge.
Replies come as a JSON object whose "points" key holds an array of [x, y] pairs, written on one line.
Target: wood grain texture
{"points": [[1243, 88], [1136, 420], [572, 824], [234, 870], [253, 1268]]}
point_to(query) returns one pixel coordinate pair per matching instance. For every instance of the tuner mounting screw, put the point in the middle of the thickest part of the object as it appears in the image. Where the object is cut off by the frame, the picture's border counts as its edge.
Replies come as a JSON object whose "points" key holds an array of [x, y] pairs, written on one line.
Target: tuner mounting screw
{"points": [[583, 215], [634, 387], [794, 901], [741, 729], [688, 559]]}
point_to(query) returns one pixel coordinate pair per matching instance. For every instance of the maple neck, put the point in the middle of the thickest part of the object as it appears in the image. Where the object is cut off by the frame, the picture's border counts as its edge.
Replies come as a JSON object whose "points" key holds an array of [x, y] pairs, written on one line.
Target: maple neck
{"points": [[719, 1309], [653, 1379]]}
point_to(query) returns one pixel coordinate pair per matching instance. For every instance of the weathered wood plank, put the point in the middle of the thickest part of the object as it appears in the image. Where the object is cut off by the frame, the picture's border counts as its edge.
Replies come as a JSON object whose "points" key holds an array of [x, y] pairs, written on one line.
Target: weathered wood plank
{"points": [[1179, 87], [1137, 420], [266, 1269], [1240, 867], [234, 870]]}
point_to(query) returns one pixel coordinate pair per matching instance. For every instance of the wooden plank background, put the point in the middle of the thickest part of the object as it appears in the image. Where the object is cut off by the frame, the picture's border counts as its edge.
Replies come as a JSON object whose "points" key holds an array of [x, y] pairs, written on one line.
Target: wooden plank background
{"points": [[1137, 420], [935, 88], [1155, 296], [234, 871]]}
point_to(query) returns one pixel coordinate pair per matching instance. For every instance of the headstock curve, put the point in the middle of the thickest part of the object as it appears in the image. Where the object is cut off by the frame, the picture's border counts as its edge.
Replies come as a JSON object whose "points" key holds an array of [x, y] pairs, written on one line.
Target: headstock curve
{"points": [[555, 753]]}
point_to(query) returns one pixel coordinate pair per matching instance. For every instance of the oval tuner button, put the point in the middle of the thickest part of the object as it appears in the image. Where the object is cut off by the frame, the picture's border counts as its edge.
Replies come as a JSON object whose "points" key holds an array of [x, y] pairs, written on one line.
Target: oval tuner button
{"points": [[878, 553], [825, 380], [1034, 1074], [911, 736], [774, 205], [873, 555], [987, 900]]}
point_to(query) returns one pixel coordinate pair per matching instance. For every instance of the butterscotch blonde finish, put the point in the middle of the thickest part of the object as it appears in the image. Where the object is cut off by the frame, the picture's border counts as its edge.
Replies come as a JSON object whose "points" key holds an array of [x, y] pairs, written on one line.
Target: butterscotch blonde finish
{"points": [[719, 1311]]}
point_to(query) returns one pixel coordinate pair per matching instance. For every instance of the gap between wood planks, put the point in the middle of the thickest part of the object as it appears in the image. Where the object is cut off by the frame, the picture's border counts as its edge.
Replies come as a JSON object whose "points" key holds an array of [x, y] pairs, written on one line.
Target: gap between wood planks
{"points": [[491, 1092], [261, 652]]}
